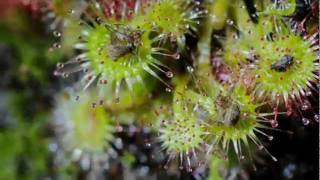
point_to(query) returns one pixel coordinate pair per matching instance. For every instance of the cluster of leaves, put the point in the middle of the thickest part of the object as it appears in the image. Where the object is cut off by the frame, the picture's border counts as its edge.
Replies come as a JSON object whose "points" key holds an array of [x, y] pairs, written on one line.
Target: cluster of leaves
{"points": [[260, 52], [137, 70]]}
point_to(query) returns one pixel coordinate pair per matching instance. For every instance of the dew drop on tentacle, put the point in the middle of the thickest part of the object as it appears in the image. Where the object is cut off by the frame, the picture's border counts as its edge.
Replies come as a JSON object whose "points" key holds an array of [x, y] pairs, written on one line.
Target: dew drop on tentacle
{"points": [[147, 143], [260, 147], [309, 93], [168, 89], [119, 128], [230, 22], [316, 117], [305, 105], [65, 75], [56, 45], [274, 123], [305, 121], [176, 56], [181, 161], [166, 165], [71, 11], [56, 34], [169, 74], [270, 138], [56, 73], [60, 65], [190, 69], [289, 109]]}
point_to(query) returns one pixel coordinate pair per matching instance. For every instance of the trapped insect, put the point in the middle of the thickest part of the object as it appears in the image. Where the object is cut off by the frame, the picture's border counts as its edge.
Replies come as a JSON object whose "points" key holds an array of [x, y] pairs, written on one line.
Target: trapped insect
{"points": [[123, 44], [232, 115], [283, 64], [229, 111]]}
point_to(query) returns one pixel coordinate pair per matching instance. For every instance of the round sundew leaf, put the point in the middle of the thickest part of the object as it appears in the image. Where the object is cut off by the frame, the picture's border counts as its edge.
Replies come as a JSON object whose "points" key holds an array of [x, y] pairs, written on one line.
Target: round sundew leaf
{"points": [[86, 126]]}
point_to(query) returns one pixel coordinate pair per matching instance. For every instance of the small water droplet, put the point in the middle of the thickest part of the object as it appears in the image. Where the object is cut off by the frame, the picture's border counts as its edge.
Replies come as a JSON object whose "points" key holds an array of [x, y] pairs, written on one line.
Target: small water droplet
{"points": [[56, 73], [181, 167], [152, 156], [98, 19], [309, 93], [305, 121], [270, 138], [254, 168], [119, 128], [148, 145], [56, 33], [169, 74], [60, 65], [56, 45], [274, 159], [289, 111], [245, 114], [274, 123], [230, 22], [176, 56], [316, 117], [168, 89], [71, 11], [65, 75], [260, 147], [190, 69], [165, 167], [305, 105]]}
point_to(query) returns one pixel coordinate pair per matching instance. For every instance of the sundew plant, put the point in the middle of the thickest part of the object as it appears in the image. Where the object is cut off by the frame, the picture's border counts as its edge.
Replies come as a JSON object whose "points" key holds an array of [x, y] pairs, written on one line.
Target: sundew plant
{"points": [[157, 89]]}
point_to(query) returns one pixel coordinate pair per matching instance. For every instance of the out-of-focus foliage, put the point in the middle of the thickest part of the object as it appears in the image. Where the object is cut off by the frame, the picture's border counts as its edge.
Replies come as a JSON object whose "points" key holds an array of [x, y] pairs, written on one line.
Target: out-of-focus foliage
{"points": [[23, 143], [22, 34]]}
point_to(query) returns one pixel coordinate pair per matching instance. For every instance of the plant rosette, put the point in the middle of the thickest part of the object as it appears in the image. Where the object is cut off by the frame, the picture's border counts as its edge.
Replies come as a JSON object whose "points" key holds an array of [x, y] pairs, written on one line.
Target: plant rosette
{"points": [[112, 55], [232, 117], [83, 129], [172, 20], [275, 63], [182, 133]]}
